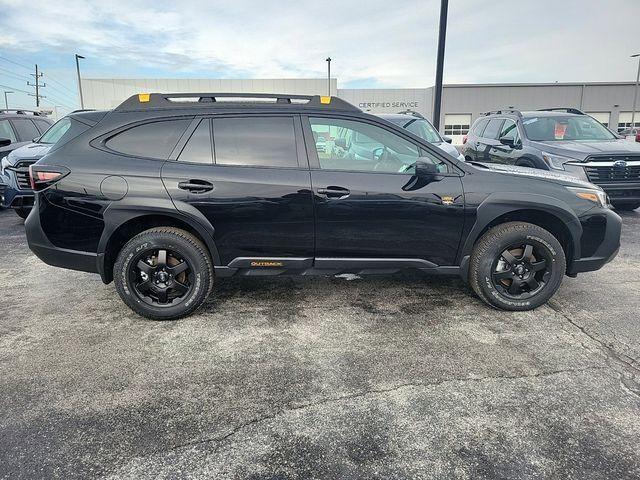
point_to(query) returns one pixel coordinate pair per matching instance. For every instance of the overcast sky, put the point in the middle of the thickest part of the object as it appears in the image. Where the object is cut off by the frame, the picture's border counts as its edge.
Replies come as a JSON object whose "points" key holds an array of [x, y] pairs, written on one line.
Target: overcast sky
{"points": [[373, 43]]}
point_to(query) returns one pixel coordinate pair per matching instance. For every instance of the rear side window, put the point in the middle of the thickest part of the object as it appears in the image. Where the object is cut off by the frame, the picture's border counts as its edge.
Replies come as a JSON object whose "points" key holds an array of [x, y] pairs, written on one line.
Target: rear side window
{"points": [[492, 128], [152, 140], [26, 129], [198, 148], [256, 141], [42, 125]]}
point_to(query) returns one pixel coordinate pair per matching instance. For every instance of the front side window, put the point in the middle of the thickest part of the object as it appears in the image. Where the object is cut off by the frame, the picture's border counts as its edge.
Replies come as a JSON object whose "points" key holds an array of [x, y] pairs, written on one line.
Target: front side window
{"points": [[26, 129], [255, 141], [493, 128], [152, 140], [6, 131], [559, 128], [479, 126], [510, 131], [358, 146], [198, 148]]}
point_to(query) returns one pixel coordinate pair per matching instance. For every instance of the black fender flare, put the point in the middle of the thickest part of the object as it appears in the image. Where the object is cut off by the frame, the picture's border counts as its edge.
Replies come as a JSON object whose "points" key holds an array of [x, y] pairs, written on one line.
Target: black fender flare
{"points": [[125, 210], [537, 162], [501, 203]]}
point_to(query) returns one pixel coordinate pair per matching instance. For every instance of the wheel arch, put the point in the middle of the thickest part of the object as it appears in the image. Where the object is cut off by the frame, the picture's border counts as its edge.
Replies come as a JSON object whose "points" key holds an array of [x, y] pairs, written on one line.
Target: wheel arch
{"points": [[546, 212], [122, 224]]}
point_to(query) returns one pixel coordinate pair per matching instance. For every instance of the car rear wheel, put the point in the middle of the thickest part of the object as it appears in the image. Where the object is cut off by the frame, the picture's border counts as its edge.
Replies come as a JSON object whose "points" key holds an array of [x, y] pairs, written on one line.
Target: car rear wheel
{"points": [[22, 212], [517, 266], [163, 273]]}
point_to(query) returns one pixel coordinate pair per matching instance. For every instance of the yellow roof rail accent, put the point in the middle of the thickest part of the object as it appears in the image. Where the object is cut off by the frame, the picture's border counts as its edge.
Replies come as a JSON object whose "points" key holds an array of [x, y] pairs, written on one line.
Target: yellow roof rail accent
{"points": [[325, 100], [143, 97]]}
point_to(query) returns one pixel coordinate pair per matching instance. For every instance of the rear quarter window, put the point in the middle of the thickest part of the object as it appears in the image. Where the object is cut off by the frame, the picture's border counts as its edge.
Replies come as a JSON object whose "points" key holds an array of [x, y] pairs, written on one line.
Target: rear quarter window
{"points": [[151, 140], [63, 131]]}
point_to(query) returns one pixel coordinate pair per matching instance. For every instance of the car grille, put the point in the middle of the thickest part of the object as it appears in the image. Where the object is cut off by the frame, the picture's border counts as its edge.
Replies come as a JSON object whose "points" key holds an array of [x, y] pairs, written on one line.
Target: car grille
{"points": [[613, 173], [22, 173], [3, 188]]}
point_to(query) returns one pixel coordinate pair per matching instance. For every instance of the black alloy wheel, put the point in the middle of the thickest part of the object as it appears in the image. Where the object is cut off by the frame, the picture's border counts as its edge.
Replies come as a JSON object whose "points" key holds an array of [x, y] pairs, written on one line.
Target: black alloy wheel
{"points": [[161, 277], [521, 271]]}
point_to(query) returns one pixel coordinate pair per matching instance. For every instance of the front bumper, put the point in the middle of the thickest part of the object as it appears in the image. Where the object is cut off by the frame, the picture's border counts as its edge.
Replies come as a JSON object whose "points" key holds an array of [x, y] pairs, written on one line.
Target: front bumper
{"points": [[56, 256], [600, 241]]}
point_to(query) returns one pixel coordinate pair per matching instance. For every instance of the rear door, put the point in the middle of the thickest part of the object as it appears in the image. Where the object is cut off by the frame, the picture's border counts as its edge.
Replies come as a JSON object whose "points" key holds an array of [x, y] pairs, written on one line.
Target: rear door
{"points": [[501, 153], [489, 139], [249, 176], [371, 209]]}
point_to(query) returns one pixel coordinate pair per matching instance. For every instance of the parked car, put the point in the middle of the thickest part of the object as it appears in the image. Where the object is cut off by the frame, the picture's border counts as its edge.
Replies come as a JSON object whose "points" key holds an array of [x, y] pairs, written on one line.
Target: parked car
{"points": [[564, 140], [169, 192], [420, 126], [632, 134], [18, 128]]}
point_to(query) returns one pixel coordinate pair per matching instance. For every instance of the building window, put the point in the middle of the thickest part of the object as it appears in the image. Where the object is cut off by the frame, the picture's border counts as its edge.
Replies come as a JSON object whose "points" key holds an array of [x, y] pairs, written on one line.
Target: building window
{"points": [[624, 120], [456, 126]]}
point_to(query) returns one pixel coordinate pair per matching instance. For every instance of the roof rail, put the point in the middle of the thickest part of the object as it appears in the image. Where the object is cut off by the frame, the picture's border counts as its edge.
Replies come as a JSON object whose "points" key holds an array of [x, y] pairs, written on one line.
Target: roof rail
{"points": [[563, 109], [503, 111], [411, 112], [159, 101], [22, 111]]}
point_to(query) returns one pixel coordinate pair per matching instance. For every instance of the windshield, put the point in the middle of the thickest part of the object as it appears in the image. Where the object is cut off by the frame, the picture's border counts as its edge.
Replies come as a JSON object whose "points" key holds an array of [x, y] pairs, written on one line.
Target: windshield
{"points": [[423, 129], [571, 127]]}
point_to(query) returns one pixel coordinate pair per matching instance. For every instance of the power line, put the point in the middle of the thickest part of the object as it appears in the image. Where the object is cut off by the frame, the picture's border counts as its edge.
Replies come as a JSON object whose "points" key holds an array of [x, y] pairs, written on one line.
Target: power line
{"points": [[49, 77], [37, 85], [14, 88], [15, 63], [11, 74]]}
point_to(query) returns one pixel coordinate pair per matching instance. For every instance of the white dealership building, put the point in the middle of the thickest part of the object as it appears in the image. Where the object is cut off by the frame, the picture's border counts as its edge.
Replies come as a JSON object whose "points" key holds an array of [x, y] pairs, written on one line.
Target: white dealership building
{"points": [[611, 103]]}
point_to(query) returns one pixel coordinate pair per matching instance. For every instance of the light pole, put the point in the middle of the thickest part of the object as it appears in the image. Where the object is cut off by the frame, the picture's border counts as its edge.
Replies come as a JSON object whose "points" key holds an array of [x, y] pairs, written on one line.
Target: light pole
{"points": [[78, 57], [437, 100], [329, 76], [635, 93], [6, 102]]}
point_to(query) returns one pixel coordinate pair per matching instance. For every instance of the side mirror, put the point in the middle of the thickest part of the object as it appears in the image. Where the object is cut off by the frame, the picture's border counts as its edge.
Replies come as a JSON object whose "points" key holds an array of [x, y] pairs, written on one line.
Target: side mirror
{"points": [[5, 142], [447, 139], [426, 168], [509, 142], [341, 142]]}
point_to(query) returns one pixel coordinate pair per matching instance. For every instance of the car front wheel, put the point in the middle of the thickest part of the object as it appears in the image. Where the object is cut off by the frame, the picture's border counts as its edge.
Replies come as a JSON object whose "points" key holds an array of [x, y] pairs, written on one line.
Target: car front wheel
{"points": [[517, 266], [163, 273]]}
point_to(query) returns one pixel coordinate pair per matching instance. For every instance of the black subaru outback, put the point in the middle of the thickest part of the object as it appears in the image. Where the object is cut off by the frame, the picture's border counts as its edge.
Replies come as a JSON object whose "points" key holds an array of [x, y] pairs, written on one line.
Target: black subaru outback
{"points": [[560, 139], [168, 192]]}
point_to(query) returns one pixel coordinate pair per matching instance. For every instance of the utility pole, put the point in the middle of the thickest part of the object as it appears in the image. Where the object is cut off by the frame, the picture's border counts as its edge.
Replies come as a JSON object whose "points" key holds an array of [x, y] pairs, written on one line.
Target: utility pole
{"points": [[78, 57], [37, 84], [437, 101], [329, 76], [6, 102], [635, 92]]}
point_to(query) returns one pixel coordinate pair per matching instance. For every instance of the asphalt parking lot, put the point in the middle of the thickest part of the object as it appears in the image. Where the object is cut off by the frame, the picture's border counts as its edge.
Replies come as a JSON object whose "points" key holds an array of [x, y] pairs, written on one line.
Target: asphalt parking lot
{"points": [[401, 377]]}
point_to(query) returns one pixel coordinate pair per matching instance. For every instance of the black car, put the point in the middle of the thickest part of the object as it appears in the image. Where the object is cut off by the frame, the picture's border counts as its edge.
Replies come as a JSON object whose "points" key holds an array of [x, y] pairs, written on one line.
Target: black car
{"points": [[168, 192], [17, 128], [560, 139]]}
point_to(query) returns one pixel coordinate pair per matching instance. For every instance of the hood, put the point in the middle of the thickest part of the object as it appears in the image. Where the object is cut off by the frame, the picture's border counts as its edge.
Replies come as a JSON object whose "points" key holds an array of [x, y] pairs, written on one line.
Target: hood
{"points": [[581, 149], [536, 173], [447, 147], [32, 151]]}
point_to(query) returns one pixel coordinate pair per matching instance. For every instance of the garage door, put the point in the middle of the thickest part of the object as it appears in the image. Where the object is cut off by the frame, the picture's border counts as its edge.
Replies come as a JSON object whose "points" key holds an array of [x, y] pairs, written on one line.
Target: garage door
{"points": [[624, 120], [456, 126], [602, 117]]}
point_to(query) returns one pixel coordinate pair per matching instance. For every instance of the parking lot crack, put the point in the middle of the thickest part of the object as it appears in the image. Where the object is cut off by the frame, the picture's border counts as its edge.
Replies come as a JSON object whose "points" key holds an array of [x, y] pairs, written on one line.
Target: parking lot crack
{"points": [[373, 391]]}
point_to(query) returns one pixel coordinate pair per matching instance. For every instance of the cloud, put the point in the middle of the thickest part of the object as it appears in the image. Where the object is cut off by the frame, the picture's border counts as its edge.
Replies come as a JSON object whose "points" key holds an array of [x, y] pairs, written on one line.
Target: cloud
{"points": [[389, 44]]}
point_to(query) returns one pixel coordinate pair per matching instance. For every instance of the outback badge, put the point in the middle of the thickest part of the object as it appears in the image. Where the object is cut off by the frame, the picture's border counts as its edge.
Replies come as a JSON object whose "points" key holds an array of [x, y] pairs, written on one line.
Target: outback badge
{"points": [[266, 263], [447, 199]]}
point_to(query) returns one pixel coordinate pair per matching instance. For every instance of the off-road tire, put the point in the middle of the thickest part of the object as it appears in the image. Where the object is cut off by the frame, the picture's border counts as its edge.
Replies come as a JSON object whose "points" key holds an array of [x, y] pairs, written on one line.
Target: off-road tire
{"points": [[177, 240], [491, 245]]}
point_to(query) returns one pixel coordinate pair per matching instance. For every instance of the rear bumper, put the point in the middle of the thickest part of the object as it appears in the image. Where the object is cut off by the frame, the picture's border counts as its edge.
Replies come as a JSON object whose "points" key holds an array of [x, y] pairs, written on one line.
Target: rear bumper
{"points": [[56, 256], [608, 247]]}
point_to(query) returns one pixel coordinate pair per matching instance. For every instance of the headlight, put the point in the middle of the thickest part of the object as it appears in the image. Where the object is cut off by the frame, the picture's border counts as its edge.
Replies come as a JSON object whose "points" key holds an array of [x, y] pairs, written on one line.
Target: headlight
{"points": [[598, 197], [556, 161], [4, 164]]}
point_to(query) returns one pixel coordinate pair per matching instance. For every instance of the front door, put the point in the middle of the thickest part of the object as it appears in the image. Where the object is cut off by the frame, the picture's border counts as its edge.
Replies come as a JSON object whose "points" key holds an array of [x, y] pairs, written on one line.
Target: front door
{"points": [[252, 184], [369, 203], [501, 152]]}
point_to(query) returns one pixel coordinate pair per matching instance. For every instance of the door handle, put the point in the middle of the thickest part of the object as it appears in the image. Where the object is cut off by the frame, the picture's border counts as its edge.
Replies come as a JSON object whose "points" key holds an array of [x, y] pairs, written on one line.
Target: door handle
{"points": [[196, 186], [334, 192]]}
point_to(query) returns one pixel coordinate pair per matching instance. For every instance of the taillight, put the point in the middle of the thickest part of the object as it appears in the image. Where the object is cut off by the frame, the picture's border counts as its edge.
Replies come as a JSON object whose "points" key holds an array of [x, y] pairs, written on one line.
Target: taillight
{"points": [[43, 176], [464, 139]]}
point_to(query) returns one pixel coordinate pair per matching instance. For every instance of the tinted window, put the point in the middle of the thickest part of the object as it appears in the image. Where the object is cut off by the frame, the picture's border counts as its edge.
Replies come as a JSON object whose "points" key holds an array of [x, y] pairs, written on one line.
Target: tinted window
{"points": [[198, 148], [509, 130], [259, 141], [6, 131], [25, 128], [42, 125], [351, 145], [492, 128], [479, 127], [570, 127], [154, 140]]}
